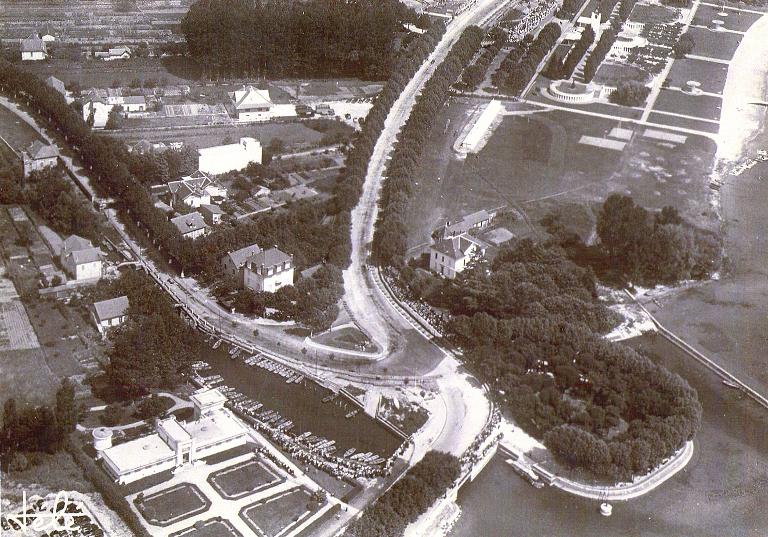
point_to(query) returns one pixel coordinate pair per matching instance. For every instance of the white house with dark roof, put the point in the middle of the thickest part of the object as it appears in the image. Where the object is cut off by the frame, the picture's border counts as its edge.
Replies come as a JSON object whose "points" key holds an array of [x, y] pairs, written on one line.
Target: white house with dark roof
{"points": [[110, 313], [196, 190], [133, 104], [252, 104], [450, 256], [33, 48], [80, 259], [115, 53], [268, 270], [191, 225], [230, 157], [39, 156], [232, 264]]}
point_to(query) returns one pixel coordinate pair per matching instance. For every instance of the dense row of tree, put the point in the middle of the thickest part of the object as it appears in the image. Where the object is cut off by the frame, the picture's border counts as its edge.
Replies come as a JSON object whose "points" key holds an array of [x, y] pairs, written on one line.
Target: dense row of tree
{"points": [[568, 9], [655, 248], [160, 167], [43, 428], [312, 38], [558, 68], [598, 54], [411, 496], [684, 46], [630, 93], [389, 240], [474, 74], [520, 65], [606, 8]]}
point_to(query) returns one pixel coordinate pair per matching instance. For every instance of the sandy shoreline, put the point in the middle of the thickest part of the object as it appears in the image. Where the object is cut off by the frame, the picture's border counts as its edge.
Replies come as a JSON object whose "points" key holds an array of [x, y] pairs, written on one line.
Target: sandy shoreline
{"points": [[741, 121]]}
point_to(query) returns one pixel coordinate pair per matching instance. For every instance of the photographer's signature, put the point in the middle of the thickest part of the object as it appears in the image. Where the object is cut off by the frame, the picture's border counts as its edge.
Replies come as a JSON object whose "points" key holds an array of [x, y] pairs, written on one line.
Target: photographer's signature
{"points": [[58, 516]]}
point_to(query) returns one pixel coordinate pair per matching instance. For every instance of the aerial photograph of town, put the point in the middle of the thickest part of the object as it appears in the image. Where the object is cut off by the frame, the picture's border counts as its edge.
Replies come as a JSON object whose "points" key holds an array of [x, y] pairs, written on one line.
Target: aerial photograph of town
{"points": [[383, 268]]}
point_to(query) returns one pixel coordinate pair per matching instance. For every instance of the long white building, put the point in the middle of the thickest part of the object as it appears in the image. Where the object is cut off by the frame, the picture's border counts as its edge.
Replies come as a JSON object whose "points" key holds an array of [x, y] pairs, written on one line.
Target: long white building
{"points": [[230, 157], [175, 444]]}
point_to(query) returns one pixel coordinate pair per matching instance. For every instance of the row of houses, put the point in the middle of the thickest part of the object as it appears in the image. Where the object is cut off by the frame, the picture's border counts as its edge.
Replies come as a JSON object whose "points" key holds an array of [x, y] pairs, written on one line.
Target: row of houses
{"points": [[35, 48]]}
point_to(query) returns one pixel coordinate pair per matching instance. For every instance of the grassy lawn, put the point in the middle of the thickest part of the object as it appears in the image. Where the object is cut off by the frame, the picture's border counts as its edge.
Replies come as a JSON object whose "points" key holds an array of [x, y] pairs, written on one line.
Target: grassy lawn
{"points": [[686, 123], [214, 527], [346, 338], [703, 106], [15, 131], [739, 21], [57, 472], [295, 135], [720, 45], [171, 505], [26, 376], [243, 479], [273, 516], [710, 75], [613, 73]]}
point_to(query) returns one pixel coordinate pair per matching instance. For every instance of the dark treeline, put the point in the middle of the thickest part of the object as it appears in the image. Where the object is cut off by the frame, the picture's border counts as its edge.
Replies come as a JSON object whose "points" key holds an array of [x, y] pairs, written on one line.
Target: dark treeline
{"points": [[606, 8], [568, 65], [652, 248], [630, 93], [474, 74], [520, 65], [598, 54], [568, 9], [36, 429], [389, 240], [313, 38], [411, 496]]}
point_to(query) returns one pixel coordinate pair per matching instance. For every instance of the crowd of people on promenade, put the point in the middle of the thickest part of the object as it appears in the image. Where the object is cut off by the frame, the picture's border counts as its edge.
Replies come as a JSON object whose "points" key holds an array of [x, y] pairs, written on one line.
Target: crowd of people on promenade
{"points": [[474, 452], [436, 319], [532, 20], [318, 455]]}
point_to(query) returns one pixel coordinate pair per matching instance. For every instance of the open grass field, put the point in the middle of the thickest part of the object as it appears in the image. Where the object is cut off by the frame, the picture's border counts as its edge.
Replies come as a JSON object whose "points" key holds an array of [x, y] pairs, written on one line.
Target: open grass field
{"points": [[538, 163], [243, 479], [173, 504], [710, 75], [17, 133], [295, 135], [277, 514], [26, 376], [719, 45], [684, 122], [739, 21], [703, 106], [613, 73], [214, 527], [346, 338]]}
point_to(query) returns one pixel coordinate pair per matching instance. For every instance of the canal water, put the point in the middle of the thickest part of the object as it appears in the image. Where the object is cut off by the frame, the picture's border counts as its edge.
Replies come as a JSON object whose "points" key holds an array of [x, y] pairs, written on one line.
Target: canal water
{"points": [[721, 493], [302, 404]]}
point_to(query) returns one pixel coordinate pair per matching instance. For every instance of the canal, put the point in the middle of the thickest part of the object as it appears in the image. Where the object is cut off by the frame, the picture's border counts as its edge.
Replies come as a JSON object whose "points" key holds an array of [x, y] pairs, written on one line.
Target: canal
{"points": [[302, 404]]}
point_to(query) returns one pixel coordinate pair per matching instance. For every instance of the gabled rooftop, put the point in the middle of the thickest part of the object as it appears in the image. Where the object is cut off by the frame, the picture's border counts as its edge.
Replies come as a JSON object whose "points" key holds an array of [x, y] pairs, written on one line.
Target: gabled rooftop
{"points": [[38, 150], [111, 309]]}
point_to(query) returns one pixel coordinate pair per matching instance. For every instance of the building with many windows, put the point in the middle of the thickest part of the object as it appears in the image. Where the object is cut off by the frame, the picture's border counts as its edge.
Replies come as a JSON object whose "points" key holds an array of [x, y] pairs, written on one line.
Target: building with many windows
{"points": [[450, 256]]}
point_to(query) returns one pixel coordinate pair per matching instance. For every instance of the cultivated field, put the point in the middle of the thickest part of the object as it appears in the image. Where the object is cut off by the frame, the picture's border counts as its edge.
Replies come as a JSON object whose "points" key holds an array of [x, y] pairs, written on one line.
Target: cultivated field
{"points": [[719, 45], [276, 515], [243, 479], [710, 75], [702, 106], [173, 504], [295, 135]]}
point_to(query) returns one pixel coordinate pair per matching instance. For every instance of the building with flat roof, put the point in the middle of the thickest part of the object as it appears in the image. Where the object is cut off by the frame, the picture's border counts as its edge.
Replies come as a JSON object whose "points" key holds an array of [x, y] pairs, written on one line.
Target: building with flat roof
{"points": [[230, 157], [175, 444]]}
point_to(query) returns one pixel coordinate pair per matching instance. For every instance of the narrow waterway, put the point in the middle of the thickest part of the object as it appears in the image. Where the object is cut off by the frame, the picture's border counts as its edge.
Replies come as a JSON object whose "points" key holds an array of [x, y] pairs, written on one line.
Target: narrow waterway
{"points": [[303, 404]]}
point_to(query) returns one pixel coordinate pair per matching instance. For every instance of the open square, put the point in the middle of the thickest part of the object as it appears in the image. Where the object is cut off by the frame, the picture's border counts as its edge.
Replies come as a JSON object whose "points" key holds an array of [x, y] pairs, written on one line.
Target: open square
{"points": [[711, 75], [170, 505], [214, 527], [279, 514], [719, 45], [733, 19], [678, 102], [243, 479]]}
